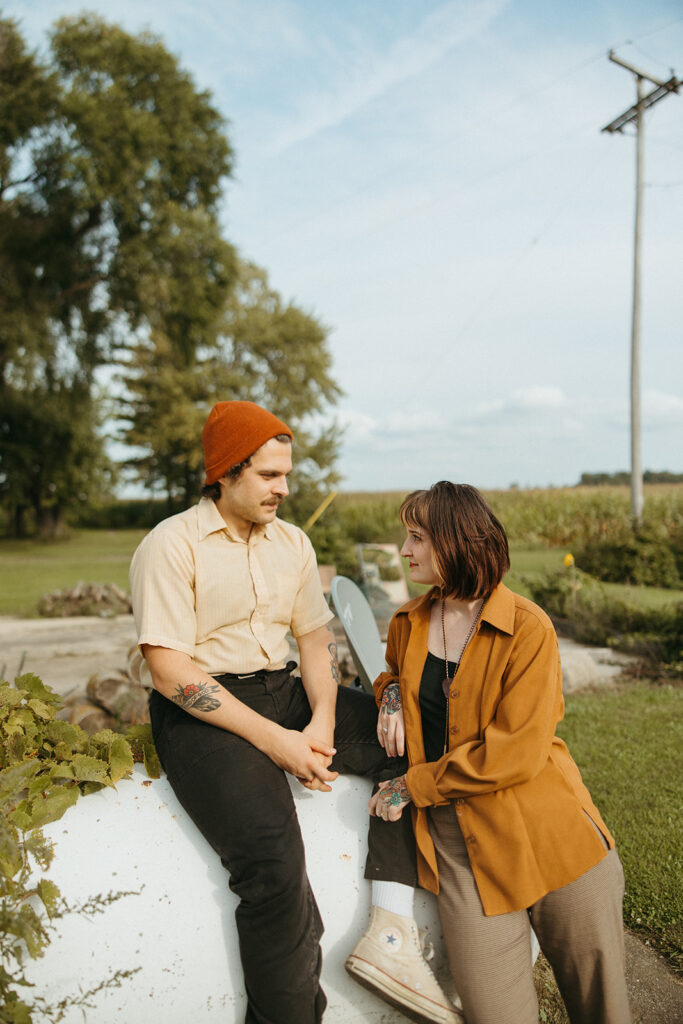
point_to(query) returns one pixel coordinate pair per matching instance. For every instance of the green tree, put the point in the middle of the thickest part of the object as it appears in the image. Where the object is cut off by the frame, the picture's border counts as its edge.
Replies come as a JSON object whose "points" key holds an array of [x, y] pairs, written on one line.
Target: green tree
{"points": [[52, 445], [267, 351], [111, 171]]}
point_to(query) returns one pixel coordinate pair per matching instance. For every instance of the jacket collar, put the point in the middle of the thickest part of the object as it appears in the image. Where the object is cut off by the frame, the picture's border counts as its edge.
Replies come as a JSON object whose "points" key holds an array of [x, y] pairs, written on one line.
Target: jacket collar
{"points": [[498, 610]]}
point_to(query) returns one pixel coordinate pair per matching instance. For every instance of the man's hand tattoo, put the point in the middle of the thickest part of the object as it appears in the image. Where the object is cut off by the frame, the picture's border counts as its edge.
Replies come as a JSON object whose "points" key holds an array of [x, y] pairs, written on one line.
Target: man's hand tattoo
{"points": [[391, 699], [196, 696], [334, 664]]}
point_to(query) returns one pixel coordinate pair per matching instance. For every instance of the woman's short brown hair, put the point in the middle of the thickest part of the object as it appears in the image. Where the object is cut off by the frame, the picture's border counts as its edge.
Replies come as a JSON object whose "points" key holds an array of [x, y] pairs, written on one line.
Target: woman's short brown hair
{"points": [[470, 546]]}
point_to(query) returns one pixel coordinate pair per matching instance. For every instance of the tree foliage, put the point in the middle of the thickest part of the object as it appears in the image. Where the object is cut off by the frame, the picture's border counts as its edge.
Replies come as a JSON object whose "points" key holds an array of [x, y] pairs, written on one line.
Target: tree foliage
{"points": [[111, 169], [266, 351], [52, 453], [112, 165]]}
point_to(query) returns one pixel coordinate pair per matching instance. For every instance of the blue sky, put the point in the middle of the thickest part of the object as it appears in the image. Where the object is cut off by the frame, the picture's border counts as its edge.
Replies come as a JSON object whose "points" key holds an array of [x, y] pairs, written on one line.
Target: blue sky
{"points": [[429, 178]]}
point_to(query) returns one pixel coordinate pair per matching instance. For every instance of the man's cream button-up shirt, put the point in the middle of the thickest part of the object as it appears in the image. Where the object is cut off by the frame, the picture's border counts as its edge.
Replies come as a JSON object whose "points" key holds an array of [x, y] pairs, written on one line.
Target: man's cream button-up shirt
{"points": [[228, 603]]}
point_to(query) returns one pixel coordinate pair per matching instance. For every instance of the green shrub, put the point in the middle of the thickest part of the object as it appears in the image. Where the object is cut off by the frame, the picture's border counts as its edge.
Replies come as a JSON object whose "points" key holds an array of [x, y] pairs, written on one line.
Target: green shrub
{"points": [[351, 521], [133, 514], [45, 765], [372, 522], [584, 609], [647, 557], [333, 547]]}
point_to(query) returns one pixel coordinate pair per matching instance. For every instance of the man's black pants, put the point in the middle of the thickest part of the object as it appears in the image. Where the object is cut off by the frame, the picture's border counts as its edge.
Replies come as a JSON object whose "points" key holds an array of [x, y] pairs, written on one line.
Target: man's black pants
{"points": [[242, 803]]}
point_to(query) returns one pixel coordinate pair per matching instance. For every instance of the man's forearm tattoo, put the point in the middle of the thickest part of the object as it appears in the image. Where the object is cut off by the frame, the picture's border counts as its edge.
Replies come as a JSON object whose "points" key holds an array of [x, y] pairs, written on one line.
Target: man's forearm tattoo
{"points": [[196, 697], [334, 664], [395, 792], [391, 699]]}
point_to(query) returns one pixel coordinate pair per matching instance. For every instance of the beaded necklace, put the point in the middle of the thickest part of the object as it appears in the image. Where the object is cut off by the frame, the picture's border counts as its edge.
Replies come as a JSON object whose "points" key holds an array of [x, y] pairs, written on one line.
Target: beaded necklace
{"points": [[446, 684]]}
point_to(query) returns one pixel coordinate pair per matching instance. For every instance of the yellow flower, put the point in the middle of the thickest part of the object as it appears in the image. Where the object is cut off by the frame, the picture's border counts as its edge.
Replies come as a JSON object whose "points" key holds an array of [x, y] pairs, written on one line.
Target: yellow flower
{"points": [[568, 560]]}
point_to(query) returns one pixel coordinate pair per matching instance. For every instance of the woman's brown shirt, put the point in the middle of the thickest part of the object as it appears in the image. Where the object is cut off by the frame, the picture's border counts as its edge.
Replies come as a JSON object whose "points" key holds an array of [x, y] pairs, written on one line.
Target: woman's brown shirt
{"points": [[522, 806]]}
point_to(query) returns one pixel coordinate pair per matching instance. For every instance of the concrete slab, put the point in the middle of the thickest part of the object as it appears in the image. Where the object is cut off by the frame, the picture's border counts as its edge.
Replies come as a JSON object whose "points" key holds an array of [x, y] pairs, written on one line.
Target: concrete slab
{"points": [[65, 652], [589, 666]]}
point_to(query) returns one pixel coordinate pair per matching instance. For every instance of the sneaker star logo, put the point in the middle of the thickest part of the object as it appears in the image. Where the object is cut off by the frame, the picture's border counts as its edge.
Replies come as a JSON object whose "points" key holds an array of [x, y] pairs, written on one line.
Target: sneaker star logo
{"points": [[391, 939]]}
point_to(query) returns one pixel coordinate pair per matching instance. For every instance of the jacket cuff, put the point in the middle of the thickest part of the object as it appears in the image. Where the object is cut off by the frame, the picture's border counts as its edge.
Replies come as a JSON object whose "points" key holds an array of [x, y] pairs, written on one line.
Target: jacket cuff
{"points": [[422, 787]]}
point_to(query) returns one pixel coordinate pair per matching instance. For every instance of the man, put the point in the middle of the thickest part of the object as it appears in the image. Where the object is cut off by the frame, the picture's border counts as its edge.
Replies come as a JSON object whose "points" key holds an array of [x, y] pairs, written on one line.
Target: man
{"points": [[216, 590]]}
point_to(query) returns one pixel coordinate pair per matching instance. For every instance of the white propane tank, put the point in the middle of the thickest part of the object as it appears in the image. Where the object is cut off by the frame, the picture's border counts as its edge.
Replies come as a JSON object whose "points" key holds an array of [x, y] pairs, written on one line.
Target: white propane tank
{"points": [[176, 930]]}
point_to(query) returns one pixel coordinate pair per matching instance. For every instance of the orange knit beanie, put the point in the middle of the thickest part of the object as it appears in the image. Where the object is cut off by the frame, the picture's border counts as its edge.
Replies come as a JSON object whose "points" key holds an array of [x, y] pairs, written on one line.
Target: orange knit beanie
{"points": [[233, 432]]}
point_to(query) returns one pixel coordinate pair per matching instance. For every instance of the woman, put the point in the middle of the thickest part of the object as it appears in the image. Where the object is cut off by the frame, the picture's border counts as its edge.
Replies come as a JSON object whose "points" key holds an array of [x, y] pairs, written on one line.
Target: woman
{"points": [[506, 832]]}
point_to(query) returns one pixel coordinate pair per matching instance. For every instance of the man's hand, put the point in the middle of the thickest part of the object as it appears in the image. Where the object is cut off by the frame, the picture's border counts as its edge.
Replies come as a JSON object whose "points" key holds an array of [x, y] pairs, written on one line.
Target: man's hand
{"points": [[303, 756], [319, 675], [391, 730], [390, 799], [323, 735]]}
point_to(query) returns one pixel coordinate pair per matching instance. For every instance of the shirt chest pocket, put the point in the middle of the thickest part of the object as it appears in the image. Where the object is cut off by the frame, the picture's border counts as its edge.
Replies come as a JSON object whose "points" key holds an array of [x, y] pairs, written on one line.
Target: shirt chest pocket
{"points": [[285, 587], [225, 594]]}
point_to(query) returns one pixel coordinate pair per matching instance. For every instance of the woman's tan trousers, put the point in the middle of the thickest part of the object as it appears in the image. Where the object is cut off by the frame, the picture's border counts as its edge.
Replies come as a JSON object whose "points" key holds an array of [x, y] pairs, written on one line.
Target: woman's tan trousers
{"points": [[579, 928]]}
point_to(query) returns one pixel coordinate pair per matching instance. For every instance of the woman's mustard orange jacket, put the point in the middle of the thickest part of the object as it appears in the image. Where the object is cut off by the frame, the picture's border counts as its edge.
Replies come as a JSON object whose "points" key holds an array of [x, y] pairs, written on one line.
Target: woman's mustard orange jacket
{"points": [[522, 806]]}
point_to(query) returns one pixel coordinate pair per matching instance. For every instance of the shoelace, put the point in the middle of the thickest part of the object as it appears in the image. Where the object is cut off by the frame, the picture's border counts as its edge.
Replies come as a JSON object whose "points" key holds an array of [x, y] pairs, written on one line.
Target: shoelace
{"points": [[426, 945], [427, 948]]}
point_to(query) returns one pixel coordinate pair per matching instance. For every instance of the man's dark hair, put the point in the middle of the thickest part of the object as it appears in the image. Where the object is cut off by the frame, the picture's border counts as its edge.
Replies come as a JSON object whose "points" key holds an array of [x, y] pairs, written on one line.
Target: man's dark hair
{"points": [[234, 473]]}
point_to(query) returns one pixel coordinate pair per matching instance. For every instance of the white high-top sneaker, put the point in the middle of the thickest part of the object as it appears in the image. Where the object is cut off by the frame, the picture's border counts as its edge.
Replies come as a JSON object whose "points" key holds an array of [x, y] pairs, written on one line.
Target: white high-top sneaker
{"points": [[389, 961]]}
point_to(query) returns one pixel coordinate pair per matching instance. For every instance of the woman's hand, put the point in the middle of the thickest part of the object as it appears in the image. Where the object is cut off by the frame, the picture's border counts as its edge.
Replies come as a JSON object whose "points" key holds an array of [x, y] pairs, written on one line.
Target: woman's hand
{"points": [[390, 799], [391, 730]]}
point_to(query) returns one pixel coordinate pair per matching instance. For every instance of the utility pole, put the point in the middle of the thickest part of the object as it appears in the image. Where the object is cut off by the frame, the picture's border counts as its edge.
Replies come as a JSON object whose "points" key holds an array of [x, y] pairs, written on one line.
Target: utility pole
{"points": [[634, 115]]}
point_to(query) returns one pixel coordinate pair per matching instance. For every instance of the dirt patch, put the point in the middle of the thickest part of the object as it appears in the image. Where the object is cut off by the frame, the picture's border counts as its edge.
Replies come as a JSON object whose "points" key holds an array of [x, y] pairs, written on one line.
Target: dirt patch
{"points": [[655, 992]]}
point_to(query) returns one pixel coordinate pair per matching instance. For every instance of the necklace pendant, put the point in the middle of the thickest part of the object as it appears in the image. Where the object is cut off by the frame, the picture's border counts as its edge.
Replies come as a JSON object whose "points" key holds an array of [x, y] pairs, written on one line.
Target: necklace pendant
{"points": [[446, 685]]}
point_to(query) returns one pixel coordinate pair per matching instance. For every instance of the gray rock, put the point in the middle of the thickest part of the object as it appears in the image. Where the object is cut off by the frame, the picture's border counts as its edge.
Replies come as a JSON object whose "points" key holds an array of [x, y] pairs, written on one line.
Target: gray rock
{"points": [[589, 666]]}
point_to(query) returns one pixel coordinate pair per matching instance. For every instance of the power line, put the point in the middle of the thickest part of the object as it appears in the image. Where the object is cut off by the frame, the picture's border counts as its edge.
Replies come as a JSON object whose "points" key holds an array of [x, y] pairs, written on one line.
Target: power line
{"points": [[394, 173]]}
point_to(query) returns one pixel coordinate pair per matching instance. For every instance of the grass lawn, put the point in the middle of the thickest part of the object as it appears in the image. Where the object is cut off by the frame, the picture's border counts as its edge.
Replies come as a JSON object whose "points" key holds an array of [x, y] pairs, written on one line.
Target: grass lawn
{"points": [[538, 561], [30, 568], [627, 741]]}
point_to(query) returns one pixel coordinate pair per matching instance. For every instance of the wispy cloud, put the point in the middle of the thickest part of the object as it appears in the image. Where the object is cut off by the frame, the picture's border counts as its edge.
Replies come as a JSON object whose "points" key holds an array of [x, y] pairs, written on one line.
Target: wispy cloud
{"points": [[449, 26], [523, 401]]}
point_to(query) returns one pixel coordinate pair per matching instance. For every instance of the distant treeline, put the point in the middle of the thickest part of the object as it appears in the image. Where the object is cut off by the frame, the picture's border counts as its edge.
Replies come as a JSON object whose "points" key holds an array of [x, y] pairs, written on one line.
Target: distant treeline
{"points": [[650, 476]]}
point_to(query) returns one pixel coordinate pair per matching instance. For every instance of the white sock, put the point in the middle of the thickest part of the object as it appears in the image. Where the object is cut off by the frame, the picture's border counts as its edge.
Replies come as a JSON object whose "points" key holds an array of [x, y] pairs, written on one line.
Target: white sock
{"points": [[393, 896]]}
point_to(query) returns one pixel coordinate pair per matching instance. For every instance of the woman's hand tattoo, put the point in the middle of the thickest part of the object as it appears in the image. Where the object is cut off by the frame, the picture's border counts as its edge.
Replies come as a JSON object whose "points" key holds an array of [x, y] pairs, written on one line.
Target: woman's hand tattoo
{"points": [[395, 792], [391, 699], [196, 696]]}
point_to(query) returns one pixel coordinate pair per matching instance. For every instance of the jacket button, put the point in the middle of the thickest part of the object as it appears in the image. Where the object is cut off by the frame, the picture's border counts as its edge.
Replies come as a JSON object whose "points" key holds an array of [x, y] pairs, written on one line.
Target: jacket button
{"points": [[453, 729], [455, 693], [460, 800], [471, 839]]}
